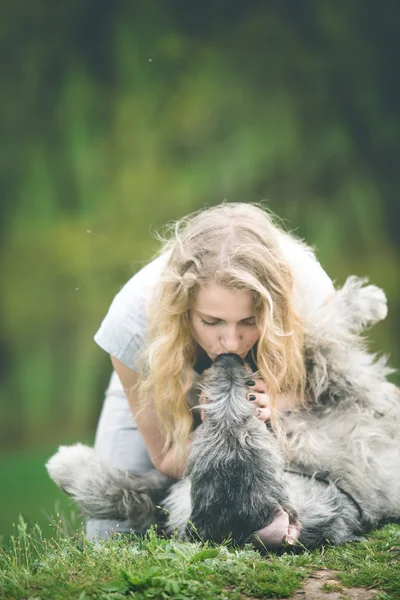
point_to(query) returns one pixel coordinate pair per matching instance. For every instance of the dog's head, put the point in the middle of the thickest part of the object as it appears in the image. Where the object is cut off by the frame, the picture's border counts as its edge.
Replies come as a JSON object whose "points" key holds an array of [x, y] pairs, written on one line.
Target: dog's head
{"points": [[224, 390]]}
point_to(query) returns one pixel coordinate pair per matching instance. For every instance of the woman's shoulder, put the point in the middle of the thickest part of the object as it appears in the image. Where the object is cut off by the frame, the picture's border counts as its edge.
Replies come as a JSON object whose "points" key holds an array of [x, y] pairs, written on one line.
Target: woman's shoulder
{"points": [[144, 279], [124, 327]]}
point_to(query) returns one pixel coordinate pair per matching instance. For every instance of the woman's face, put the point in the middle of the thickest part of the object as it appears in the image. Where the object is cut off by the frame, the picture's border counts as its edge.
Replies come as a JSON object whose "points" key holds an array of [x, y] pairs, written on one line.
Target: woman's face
{"points": [[222, 321]]}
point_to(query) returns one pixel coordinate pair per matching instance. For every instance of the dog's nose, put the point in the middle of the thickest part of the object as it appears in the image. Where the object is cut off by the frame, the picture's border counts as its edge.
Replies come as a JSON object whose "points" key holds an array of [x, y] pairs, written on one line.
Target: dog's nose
{"points": [[229, 360]]}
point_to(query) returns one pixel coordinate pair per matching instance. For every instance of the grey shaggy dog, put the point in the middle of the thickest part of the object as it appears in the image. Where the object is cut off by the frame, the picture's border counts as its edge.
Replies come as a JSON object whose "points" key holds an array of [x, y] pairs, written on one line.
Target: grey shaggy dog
{"points": [[336, 475]]}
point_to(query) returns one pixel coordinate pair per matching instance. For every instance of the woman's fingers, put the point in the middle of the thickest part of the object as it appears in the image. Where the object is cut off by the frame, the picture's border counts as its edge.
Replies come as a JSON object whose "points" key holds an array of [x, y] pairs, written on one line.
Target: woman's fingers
{"points": [[257, 385], [263, 414], [261, 403], [203, 400], [261, 400]]}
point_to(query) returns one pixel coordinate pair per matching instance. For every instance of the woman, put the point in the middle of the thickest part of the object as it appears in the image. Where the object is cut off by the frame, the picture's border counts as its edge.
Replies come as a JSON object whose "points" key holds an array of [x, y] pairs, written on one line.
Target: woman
{"points": [[229, 280]]}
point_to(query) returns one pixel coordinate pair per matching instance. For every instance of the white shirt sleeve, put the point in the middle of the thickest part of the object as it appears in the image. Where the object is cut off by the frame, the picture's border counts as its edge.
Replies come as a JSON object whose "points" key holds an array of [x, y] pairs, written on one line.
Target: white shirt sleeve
{"points": [[124, 328]]}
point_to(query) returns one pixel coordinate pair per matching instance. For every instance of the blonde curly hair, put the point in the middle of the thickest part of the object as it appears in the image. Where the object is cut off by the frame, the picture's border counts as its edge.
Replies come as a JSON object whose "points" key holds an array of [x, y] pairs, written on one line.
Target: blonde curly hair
{"points": [[235, 245]]}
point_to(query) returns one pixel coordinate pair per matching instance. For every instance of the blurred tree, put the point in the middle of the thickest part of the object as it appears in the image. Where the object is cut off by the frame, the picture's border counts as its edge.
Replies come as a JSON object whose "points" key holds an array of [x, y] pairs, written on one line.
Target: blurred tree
{"points": [[120, 116]]}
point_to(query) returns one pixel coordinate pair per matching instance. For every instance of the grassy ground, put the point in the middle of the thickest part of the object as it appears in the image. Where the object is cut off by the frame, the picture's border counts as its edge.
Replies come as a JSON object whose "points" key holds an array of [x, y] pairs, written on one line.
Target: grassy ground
{"points": [[64, 567]]}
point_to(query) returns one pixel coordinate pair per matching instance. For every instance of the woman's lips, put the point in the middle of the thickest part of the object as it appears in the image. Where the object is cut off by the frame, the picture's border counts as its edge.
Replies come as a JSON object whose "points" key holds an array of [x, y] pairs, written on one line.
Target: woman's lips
{"points": [[241, 354]]}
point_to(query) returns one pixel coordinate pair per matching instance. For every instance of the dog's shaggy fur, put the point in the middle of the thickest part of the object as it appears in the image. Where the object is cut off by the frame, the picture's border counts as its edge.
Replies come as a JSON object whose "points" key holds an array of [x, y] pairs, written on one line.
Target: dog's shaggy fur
{"points": [[337, 475]]}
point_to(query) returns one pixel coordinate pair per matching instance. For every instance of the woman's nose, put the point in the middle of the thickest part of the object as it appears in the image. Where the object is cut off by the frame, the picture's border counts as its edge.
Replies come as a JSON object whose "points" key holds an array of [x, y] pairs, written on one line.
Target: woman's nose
{"points": [[231, 342]]}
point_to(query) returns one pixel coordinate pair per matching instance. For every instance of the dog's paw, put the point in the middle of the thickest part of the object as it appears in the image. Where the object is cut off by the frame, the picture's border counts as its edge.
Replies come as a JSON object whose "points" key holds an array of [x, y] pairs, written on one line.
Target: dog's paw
{"points": [[361, 305], [71, 464], [372, 304]]}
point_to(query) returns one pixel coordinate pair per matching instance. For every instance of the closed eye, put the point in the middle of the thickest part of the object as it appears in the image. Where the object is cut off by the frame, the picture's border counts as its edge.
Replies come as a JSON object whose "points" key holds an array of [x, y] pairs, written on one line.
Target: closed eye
{"points": [[251, 323], [210, 324]]}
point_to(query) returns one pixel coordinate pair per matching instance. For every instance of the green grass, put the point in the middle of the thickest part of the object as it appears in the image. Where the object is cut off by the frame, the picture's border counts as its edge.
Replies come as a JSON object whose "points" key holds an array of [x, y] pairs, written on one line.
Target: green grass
{"points": [[71, 567]]}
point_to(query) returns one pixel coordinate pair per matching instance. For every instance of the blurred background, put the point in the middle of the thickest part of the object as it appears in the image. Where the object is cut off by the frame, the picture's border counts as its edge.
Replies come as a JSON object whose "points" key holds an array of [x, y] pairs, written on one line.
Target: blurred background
{"points": [[117, 117]]}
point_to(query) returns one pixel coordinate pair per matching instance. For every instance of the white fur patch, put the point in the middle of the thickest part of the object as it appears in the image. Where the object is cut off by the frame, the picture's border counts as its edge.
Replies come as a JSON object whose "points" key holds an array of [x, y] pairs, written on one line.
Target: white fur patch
{"points": [[71, 465]]}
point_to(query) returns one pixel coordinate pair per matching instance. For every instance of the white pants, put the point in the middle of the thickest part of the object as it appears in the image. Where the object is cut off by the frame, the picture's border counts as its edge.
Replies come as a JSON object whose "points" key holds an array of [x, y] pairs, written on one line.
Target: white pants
{"points": [[119, 441]]}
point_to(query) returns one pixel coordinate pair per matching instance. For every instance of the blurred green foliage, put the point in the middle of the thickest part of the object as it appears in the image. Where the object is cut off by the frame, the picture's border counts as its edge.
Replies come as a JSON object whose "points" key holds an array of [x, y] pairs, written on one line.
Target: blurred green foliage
{"points": [[27, 490], [118, 117]]}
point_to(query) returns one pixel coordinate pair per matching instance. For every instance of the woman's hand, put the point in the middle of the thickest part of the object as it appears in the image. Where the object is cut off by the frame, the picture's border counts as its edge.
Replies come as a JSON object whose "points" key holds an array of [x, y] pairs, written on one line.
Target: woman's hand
{"points": [[203, 400], [258, 396]]}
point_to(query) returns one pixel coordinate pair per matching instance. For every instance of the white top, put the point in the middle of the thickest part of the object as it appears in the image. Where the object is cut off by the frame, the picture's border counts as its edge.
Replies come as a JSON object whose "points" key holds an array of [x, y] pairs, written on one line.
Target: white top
{"points": [[123, 329]]}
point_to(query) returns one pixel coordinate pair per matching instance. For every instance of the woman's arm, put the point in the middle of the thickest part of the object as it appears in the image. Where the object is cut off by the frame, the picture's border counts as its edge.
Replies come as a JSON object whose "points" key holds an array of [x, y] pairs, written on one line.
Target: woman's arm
{"points": [[174, 466], [148, 424]]}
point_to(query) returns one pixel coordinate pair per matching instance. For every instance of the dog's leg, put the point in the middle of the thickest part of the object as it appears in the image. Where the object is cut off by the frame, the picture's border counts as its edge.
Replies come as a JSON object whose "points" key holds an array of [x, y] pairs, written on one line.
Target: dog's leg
{"points": [[337, 362], [326, 514], [351, 309], [106, 492], [177, 508]]}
